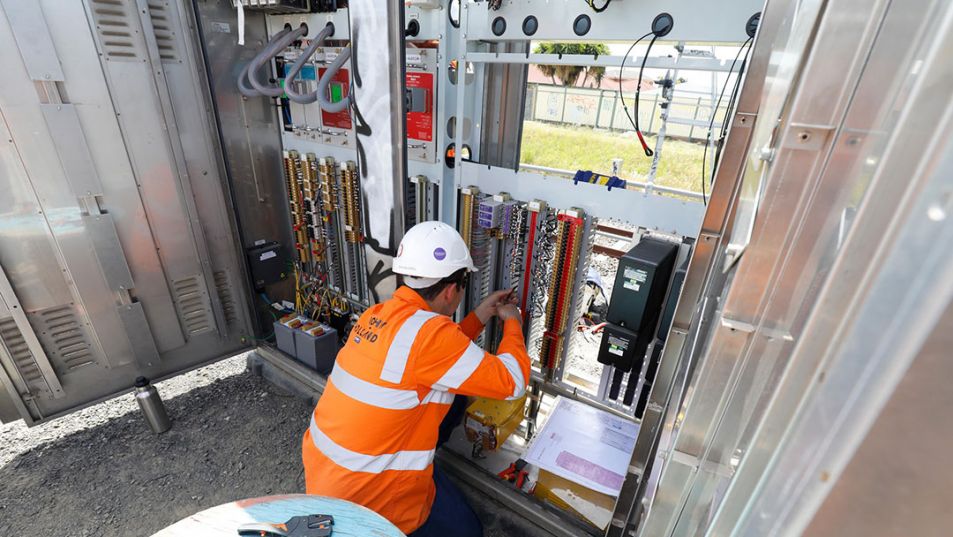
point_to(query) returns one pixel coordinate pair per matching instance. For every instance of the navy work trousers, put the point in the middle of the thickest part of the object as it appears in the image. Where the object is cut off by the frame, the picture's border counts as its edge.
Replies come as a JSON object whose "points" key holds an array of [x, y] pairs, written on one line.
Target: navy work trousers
{"points": [[450, 515]]}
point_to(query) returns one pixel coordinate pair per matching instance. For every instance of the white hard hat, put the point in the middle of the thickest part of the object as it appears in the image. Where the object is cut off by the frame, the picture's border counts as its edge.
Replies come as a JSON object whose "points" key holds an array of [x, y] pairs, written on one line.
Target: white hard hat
{"points": [[429, 252]]}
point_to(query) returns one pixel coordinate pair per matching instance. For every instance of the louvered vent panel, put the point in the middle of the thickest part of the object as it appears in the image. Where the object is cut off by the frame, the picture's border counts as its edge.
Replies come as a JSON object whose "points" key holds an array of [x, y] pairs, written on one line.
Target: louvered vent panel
{"points": [[116, 26], [162, 22], [192, 303], [64, 337], [224, 290], [19, 351]]}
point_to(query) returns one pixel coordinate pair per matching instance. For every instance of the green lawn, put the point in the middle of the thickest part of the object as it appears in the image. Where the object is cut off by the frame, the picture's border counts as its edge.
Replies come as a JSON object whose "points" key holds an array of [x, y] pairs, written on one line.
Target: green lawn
{"points": [[582, 148]]}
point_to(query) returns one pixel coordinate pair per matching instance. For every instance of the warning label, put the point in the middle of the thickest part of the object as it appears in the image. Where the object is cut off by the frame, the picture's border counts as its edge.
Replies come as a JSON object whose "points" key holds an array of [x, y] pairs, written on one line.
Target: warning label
{"points": [[633, 279]]}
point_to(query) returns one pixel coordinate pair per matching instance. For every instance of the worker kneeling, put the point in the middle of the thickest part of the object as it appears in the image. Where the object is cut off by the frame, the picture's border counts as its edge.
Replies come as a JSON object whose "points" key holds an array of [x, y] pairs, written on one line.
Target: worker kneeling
{"points": [[397, 390]]}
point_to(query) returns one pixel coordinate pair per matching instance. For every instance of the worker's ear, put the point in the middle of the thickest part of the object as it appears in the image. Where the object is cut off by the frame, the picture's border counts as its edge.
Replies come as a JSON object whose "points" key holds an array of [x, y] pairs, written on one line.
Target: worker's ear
{"points": [[447, 294]]}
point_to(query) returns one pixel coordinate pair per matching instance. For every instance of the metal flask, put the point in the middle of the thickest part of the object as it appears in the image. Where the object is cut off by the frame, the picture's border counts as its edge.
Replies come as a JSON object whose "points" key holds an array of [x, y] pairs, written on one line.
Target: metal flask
{"points": [[151, 404]]}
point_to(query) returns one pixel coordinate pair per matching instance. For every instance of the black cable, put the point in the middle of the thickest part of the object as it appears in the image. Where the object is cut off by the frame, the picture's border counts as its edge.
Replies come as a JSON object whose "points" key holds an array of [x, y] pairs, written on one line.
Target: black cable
{"points": [[621, 70], [638, 90], [598, 9], [714, 111], [732, 101]]}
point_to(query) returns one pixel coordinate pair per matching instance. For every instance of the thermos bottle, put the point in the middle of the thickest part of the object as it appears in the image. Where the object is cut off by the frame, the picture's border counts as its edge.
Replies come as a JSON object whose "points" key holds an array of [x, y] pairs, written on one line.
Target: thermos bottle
{"points": [[151, 404]]}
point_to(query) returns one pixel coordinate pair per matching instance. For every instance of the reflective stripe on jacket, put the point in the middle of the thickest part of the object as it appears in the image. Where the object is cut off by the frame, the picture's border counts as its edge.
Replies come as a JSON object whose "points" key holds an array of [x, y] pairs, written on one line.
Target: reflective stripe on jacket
{"points": [[373, 432]]}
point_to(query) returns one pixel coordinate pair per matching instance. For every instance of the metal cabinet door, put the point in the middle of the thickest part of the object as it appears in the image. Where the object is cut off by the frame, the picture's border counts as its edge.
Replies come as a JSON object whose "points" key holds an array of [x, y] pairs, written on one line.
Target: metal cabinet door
{"points": [[118, 250]]}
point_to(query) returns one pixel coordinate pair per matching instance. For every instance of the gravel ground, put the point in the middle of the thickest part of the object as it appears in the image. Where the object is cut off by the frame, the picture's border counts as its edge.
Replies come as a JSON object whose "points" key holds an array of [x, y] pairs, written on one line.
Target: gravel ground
{"points": [[101, 471]]}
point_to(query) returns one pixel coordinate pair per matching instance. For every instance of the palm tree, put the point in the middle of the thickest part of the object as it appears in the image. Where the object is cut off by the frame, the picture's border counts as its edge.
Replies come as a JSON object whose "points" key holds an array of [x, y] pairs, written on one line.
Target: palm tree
{"points": [[568, 75]]}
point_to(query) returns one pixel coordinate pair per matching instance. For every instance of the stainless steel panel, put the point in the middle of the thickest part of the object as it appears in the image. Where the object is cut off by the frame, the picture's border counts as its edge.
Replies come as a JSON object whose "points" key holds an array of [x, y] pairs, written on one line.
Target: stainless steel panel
{"points": [[33, 352], [26, 250], [140, 336], [33, 39], [72, 149], [865, 329], [798, 279], [105, 215], [250, 138], [121, 194], [893, 484], [102, 231], [798, 22]]}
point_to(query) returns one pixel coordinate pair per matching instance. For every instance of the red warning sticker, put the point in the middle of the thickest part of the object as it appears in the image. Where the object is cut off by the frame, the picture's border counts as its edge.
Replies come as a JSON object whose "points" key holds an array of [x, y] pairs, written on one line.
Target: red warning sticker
{"points": [[420, 124], [338, 89]]}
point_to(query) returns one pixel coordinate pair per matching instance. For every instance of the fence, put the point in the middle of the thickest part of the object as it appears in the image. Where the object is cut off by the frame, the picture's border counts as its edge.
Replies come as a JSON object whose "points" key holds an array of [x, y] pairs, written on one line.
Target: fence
{"points": [[602, 108]]}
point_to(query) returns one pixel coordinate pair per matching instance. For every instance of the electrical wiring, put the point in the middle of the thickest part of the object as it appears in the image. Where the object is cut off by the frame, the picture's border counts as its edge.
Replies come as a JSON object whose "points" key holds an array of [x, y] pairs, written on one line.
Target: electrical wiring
{"points": [[270, 50], [592, 4], [638, 90], [711, 122], [625, 107], [732, 101]]}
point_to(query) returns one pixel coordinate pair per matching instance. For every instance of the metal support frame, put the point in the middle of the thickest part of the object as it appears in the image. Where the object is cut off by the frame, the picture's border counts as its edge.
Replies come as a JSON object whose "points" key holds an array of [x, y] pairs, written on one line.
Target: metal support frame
{"points": [[687, 63]]}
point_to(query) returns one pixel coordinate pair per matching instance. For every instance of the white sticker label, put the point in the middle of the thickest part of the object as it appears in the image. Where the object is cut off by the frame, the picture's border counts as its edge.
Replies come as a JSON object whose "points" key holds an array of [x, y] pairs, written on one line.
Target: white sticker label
{"points": [[259, 242], [634, 278], [413, 58], [267, 255], [221, 27]]}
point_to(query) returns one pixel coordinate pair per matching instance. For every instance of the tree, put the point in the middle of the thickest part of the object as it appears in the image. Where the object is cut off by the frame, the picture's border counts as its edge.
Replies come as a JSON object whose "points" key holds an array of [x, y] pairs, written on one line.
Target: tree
{"points": [[568, 75]]}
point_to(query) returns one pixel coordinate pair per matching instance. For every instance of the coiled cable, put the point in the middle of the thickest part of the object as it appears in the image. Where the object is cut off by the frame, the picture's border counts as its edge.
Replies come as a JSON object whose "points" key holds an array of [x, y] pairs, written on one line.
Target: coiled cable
{"points": [[305, 56]]}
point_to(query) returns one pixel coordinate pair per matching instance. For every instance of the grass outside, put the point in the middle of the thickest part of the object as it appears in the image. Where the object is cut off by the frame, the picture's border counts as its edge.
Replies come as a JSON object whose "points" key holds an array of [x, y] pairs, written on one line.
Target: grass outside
{"points": [[583, 148]]}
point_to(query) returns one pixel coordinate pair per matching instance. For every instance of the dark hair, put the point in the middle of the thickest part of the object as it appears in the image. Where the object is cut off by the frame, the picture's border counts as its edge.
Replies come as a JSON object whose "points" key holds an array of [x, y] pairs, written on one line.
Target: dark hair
{"points": [[458, 278]]}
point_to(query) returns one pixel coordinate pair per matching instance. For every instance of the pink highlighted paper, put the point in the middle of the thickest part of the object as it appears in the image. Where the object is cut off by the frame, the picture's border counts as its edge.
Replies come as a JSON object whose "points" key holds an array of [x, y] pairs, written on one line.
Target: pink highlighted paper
{"points": [[585, 445]]}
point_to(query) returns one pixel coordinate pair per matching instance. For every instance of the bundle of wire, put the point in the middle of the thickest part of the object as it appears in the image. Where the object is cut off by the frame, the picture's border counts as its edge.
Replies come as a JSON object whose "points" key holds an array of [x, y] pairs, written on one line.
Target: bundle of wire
{"points": [[727, 116], [638, 90]]}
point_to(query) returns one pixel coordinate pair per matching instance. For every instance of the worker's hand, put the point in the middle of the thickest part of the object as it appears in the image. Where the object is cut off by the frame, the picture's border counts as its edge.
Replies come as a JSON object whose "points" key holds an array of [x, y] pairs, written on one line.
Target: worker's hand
{"points": [[509, 311], [491, 304]]}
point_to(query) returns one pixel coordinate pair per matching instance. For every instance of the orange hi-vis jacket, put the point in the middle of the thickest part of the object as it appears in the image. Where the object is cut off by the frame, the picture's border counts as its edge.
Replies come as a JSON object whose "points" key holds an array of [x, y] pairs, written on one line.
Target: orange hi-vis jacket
{"points": [[373, 433]]}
